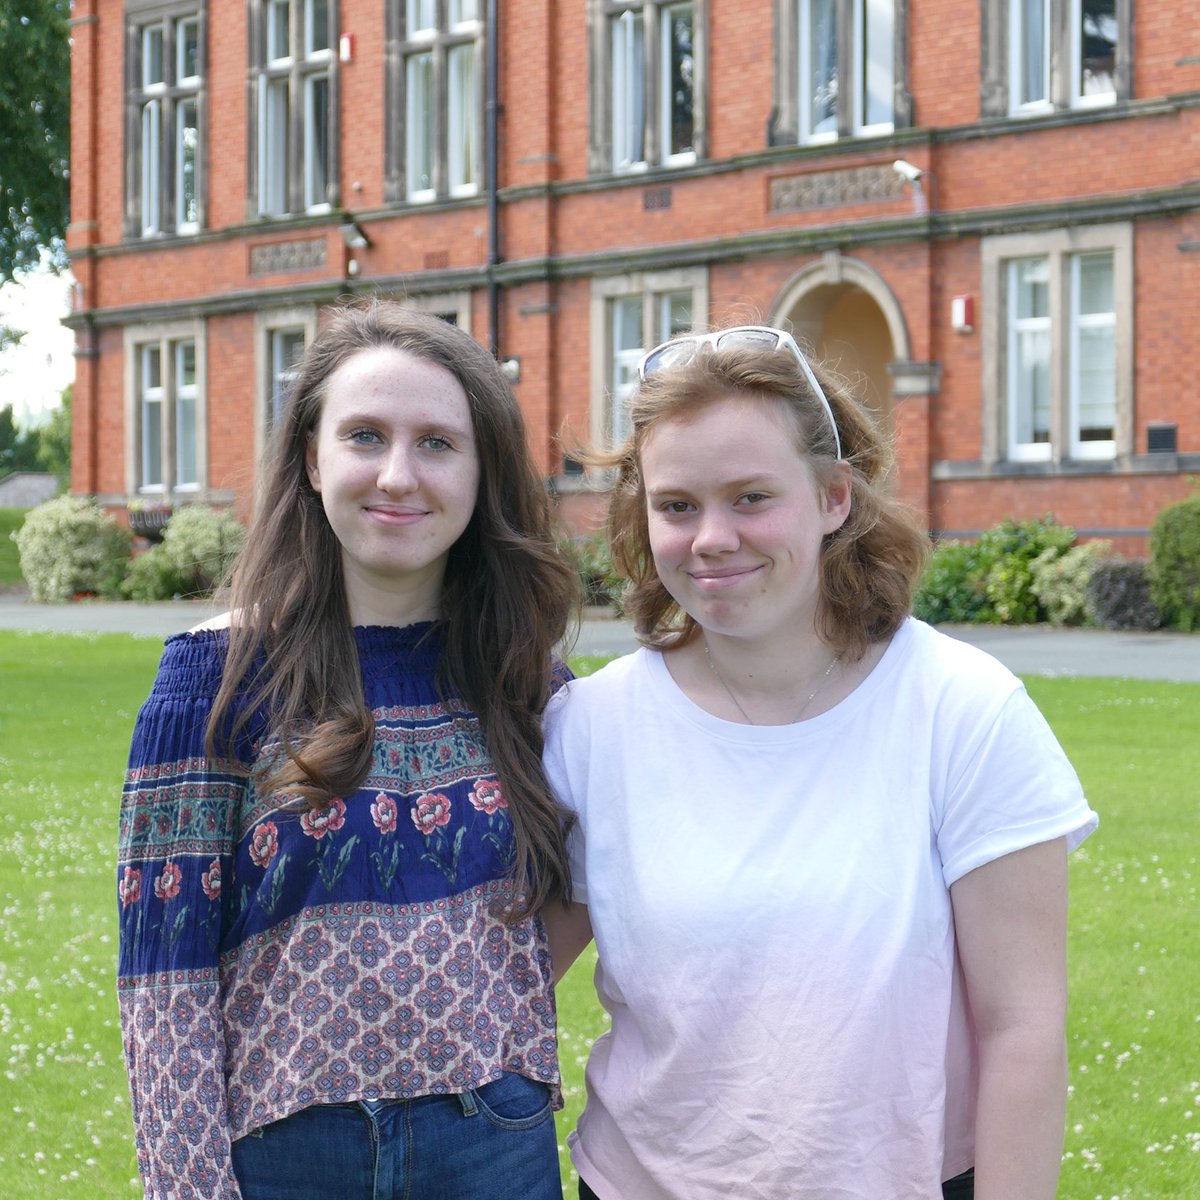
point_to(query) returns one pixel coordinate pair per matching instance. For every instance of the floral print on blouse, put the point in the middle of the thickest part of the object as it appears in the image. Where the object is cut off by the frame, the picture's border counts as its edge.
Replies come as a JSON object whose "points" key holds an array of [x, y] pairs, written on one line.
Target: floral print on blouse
{"points": [[273, 957]]}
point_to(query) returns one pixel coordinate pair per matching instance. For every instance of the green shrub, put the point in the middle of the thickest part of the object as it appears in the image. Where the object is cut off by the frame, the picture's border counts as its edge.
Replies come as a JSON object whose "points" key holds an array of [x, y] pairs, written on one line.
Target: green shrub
{"points": [[69, 546], [153, 576], [1009, 549], [197, 549], [1119, 595], [1060, 581], [991, 580], [1174, 569], [590, 557], [951, 590]]}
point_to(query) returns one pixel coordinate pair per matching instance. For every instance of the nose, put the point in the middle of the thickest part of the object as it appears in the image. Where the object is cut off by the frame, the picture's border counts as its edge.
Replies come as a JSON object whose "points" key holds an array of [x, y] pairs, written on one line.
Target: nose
{"points": [[715, 533], [396, 471]]}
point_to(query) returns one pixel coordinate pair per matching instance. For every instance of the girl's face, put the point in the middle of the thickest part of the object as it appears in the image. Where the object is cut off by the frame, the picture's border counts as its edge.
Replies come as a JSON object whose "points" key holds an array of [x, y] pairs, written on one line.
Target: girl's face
{"points": [[394, 460], [736, 518]]}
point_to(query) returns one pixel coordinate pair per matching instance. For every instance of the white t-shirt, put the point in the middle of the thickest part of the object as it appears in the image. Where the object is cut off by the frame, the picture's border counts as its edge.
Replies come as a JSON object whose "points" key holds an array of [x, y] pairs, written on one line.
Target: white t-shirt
{"points": [[772, 912]]}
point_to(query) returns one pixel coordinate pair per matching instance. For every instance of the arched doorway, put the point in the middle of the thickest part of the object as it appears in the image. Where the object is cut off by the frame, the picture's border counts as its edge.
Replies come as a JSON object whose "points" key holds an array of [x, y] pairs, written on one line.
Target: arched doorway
{"points": [[845, 311]]}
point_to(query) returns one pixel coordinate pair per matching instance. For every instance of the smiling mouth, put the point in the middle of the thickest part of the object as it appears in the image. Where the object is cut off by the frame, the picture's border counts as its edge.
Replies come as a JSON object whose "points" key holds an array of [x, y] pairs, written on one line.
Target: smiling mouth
{"points": [[716, 580], [396, 516]]}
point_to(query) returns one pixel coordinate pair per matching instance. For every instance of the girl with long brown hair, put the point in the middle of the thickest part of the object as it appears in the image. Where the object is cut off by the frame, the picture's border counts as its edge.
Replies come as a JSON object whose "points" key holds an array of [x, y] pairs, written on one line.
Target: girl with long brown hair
{"points": [[335, 834]]}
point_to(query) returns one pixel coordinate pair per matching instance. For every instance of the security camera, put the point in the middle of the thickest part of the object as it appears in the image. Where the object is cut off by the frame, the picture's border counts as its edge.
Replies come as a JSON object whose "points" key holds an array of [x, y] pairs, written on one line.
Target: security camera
{"points": [[906, 170]]}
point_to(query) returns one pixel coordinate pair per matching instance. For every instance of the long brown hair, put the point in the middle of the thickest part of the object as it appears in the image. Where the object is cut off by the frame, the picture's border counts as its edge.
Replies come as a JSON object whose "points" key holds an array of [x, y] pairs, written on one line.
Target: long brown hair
{"points": [[869, 567], [506, 601]]}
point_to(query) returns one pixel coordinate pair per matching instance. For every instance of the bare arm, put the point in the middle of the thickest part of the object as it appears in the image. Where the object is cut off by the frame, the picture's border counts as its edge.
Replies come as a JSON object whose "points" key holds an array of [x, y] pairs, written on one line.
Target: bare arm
{"points": [[1010, 920], [569, 931]]}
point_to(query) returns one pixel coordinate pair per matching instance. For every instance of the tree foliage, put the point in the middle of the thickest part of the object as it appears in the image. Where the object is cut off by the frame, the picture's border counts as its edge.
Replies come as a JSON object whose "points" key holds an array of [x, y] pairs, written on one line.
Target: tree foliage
{"points": [[18, 448], [34, 130]]}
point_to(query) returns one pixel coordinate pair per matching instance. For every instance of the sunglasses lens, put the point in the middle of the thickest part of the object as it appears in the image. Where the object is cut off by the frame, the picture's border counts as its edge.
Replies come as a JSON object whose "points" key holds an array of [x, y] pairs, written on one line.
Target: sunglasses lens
{"points": [[670, 355], [749, 339]]}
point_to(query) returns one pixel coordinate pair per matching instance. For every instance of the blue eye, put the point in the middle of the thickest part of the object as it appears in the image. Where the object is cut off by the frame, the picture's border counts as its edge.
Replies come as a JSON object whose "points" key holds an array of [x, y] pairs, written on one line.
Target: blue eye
{"points": [[433, 442], [363, 436]]}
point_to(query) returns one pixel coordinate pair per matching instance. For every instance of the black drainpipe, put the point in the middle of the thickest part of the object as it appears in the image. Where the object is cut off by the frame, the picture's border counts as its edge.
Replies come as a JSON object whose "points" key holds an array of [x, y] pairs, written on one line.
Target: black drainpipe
{"points": [[491, 116]]}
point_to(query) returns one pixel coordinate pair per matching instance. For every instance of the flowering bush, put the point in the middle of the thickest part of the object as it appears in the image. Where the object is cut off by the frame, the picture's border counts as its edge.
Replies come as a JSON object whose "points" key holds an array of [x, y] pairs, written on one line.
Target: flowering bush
{"points": [[197, 549], [69, 546], [1060, 581]]}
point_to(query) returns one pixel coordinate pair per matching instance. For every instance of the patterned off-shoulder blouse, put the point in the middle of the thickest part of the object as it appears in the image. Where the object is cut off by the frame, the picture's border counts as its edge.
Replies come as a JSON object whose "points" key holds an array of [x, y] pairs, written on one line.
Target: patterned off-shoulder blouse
{"points": [[273, 957]]}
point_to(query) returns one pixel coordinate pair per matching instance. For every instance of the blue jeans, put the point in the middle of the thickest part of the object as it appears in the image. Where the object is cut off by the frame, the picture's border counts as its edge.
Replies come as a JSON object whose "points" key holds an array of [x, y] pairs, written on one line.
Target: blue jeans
{"points": [[496, 1142]]}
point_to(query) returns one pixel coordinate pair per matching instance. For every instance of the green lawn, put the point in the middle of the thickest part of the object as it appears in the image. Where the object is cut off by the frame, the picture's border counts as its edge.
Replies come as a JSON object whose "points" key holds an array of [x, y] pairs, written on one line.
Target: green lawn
{"points": [[10, 561], [66, 709]]}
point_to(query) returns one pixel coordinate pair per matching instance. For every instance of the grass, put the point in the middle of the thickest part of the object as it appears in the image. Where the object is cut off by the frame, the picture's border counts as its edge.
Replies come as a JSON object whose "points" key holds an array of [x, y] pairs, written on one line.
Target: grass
{"points": [[10, 562], [66, 709]]}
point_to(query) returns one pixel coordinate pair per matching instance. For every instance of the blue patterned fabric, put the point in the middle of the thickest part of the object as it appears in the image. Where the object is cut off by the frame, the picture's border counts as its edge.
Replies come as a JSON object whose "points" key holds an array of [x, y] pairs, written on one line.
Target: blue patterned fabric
{"points": [[273, 957]]}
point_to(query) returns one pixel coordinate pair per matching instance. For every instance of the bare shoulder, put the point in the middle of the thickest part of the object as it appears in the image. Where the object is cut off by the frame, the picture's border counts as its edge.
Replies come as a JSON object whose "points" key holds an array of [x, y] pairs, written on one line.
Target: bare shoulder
{"points": [[220, 621]]}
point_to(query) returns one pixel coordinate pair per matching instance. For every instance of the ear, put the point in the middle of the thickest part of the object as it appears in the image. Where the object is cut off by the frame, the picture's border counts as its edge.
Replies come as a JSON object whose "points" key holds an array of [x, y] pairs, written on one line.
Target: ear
{"points": [[835, 497], [310, 460]]}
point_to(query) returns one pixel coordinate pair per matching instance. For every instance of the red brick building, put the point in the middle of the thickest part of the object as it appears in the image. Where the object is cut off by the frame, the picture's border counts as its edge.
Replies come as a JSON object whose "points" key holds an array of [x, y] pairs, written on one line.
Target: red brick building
{"points": [[990, 212]]}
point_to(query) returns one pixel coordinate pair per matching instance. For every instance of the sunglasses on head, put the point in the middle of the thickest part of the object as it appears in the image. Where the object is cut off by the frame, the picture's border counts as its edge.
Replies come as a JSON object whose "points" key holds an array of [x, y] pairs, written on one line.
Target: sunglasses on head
{"points": [[682, 350]]}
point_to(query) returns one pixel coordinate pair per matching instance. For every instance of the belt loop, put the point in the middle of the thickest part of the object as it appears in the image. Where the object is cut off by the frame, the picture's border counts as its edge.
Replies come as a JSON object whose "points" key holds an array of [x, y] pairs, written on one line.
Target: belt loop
{"points": [[467, 1100]]}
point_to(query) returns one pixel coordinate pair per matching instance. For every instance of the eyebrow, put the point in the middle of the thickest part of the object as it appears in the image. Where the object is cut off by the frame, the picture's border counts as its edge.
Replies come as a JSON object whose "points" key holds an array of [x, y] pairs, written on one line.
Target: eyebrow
{"points": [[746, 483]]}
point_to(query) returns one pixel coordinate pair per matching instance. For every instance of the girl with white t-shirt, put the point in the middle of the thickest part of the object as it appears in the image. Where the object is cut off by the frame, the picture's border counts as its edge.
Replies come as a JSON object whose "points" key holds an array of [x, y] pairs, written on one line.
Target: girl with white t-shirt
{"points": [[822, 848]]}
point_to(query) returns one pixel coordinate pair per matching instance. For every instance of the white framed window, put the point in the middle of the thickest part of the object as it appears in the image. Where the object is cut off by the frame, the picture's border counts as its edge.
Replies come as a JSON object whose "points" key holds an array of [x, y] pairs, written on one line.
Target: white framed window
{"points": [[166, 443], [281, 335], [292, 57], [1093, 357], [1095, 37], [840, 70], [1058, 353], [630, 315], [151, 431], [187, 477], [1029, 358], [164, 164], [648, 84], [435, 91], [1040, 56], [1029, 43]]}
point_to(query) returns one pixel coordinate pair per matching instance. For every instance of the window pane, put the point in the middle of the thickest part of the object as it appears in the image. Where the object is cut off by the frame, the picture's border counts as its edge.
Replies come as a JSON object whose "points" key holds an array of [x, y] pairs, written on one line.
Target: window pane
{"points": [[627, 349], [462, 11], [418, 132], [152, 55], [818, 75], [273, 147], [1032, 371], [287, 348], [316, 26], [1097, 384], [878, 20], [1033, 287], [628, 89], [187, 49], [151, 189], [463, 120], [678, 79], [1096, 283], [674, 314], [316, 140], [421, 16], [279, 25], [187, 212], [151, 422], [1098, 48], [185, 413], [1031, 51]]}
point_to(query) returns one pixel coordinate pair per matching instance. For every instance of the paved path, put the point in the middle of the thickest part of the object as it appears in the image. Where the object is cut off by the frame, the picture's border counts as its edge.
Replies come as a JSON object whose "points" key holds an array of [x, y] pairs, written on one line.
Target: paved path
{"points": [[1029, 650]]}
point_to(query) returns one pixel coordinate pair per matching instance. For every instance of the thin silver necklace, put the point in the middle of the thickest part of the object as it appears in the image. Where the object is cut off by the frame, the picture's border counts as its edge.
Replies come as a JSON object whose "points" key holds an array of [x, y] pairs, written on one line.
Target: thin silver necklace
{"points": [[712, 666]]}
